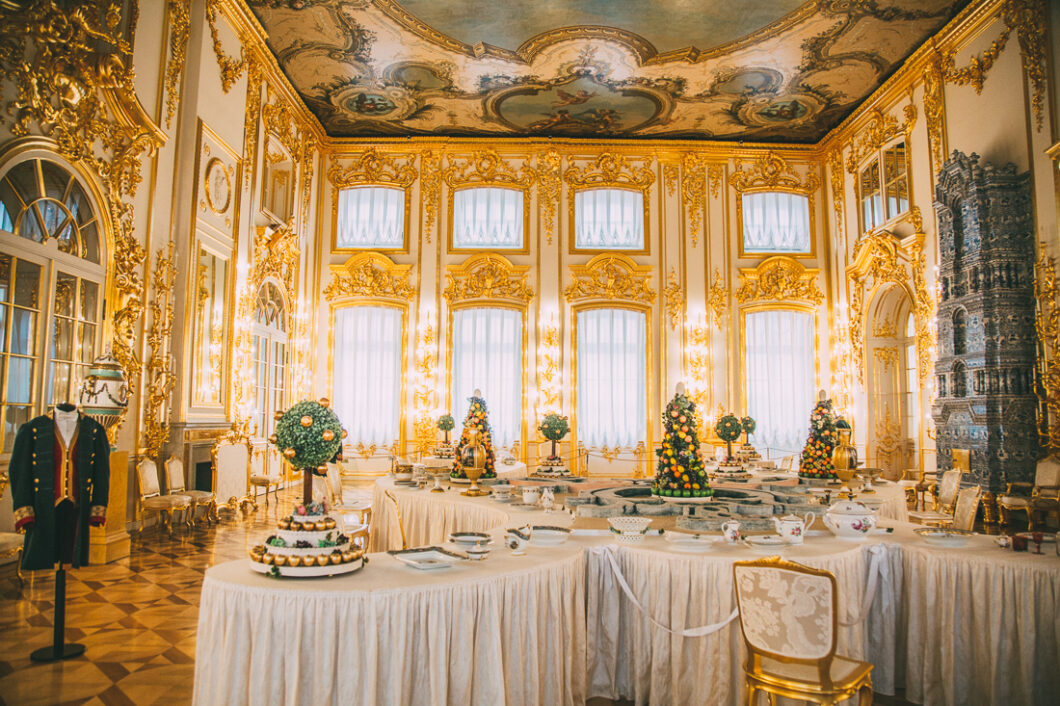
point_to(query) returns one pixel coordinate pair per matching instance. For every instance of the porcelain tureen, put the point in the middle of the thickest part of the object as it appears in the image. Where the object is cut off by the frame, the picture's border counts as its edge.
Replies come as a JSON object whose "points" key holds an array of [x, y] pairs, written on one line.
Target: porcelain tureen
{"points": [[849, 520]]}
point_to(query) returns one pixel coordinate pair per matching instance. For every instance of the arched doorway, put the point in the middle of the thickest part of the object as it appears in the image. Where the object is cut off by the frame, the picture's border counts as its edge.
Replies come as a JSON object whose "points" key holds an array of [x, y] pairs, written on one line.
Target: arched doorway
{"points": [[894, 419]]}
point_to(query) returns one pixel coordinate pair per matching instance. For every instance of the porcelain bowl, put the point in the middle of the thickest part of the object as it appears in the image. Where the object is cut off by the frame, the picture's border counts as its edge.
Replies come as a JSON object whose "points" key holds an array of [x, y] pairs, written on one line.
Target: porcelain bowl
{"points": [[629, 524]]}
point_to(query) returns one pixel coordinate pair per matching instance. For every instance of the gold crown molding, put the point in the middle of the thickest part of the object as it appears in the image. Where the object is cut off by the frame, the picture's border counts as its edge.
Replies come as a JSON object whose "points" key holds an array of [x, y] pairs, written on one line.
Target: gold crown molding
{"points": [[74, 83], [1030, 21], [179, 20], [694, 192], [373, 167], [610, 276], [370, 275], [487, 168], [431, 188], [231, 69], [778, 278], [717, 300], [487, 276], [673, 299], [880, 129], [548, 173], [612, 169], [160, 377], [1047, 323], [771, 171]]}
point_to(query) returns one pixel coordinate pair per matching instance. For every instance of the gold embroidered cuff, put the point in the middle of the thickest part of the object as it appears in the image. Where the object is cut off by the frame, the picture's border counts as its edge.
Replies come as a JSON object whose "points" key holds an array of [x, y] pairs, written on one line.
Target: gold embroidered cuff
{"points": [[99, 511], [24, 515]]}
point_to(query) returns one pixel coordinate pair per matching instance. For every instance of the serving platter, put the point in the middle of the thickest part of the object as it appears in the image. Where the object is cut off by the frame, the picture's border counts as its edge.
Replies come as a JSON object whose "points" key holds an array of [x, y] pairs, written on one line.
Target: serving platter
{"points": [[427, 558], [943, 537], [691, 543]]}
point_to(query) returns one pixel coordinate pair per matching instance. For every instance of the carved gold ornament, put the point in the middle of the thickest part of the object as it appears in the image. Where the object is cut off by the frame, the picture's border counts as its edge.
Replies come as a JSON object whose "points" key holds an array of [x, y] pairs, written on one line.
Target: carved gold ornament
{"points": [[550, 367], [487, 168], [252, 116], [771, 171], [612, 170], [373, 167], [694, 192], [1029, 19], [610, 276], [430, 188], [1047, 323], [218, 186], [878, 131], [717, 299], [487, 276], [835, 177], [673, 299], [548, 172], [935, 111], [276, 255], [424, 395], [778, 278], [370, 275], [231, 69], [178, 17], [160, 378], [671, 175]]}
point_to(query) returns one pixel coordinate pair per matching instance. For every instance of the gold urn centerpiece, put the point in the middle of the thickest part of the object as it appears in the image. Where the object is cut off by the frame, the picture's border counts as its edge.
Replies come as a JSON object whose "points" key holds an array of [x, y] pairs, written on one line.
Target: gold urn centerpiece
{"points": [[844, 456], [473, 463]]}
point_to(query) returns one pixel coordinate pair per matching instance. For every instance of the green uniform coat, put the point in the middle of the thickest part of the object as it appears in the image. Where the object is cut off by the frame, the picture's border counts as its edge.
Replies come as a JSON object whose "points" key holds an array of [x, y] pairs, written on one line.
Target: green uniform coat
{"points": [[32, 473]]}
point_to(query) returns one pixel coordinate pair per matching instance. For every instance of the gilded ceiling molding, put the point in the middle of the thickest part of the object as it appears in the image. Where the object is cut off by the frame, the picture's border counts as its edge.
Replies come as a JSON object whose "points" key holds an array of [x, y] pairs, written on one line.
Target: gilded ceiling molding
{"points": [[1047, 323], [430, 188], [1029, 19], [610, 276], [778, 278], [673, 299], [179, 20], [694, 192], [771, 171], [160, 378], [370, 274], [612, 170], [231, 69], [374, 167], [487, 276], [880, 130], [74, 82], [717, 300], [975, 72], [548, 174], [252, 118], [487, 168]]}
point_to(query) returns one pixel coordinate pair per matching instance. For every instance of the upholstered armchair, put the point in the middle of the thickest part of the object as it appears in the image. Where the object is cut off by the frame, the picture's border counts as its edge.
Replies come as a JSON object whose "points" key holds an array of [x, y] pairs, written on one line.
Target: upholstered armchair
{"points": [[153, 501], [207, 499], [1039, 499], [231, 472], [10, 542], [945, 497], [789, 619]]}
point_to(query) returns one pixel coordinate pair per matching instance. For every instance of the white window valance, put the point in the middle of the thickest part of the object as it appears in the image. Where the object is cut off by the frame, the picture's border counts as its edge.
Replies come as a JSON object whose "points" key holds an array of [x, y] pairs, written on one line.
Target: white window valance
{"points": [[779, 349], [488, 217], [367, 380], [371, 217], [775, 221], [612, 377], [609, 219], [488, 356]]}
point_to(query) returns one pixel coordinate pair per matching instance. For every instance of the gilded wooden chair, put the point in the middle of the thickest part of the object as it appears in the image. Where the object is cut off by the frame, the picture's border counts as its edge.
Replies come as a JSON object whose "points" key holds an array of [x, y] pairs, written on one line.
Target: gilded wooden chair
{"points": [[1044, 498], [231, 472], [347, 504], [397, 514], [964, 512], [152, 499], [206, 498], [945, 498], [11, 542], [789, 618], [261, 478]]}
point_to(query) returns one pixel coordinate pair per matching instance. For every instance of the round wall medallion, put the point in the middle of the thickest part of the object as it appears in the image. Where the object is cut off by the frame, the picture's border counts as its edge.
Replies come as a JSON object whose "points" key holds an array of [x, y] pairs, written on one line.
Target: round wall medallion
{"points": [[218, 186]]}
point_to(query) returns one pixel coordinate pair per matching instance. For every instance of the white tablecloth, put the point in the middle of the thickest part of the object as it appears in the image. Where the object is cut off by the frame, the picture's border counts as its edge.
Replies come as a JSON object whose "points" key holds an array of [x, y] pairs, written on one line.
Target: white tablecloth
{"points": [[509, 630]]}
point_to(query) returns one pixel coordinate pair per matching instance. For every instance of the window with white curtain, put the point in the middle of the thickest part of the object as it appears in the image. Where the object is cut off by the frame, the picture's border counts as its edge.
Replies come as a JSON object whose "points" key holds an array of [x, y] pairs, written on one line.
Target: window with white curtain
{"points": [[488, 217], [488, 356], [371, 217], [779, 352], [609, 219], [612, 377], [775, 221], [367, 379]]}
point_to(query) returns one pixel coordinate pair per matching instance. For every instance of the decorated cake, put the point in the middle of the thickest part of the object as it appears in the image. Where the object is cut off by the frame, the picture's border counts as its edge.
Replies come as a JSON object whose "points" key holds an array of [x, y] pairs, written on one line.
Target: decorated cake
{"points": [[308, 542], [680, 472]]}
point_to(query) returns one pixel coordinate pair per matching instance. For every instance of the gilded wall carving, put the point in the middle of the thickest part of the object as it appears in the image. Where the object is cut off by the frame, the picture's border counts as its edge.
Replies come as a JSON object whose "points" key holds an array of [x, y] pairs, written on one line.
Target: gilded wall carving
{"points": [[771, 171], [488, 276], [878, 131], [673, 299], [781, 279], [612, 170], [1029, 19], [1047, 324], [374, 167], [694, 192], [177, 15], [717, 300], [549, 178], [252, 117], [370, 275], [610, 277], [487, 168], [425, 395], [160, 378], [231, 68], [431, 188]]}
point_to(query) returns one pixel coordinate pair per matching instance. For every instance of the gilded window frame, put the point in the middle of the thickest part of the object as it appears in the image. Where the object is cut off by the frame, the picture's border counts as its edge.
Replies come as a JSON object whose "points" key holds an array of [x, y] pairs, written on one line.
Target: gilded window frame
{"points": [[573, 249], [743, 254], [488, 184]]}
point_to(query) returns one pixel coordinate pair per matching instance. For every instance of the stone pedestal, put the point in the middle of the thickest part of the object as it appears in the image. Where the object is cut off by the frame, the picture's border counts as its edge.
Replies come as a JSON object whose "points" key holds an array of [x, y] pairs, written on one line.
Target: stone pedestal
{"points": [[111, 542]]}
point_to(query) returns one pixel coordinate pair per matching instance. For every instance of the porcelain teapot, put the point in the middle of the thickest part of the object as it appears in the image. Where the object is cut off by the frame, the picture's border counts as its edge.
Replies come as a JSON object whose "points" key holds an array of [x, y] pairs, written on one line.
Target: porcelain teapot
{"points": [[792, 527], [849, 520]]}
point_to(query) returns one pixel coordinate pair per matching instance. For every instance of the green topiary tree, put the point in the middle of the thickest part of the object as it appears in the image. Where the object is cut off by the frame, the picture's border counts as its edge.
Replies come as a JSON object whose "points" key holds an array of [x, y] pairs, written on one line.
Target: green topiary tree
{"points": [[680, 472], [728, 429], [554, 427], [308, 435], [446, 424]]}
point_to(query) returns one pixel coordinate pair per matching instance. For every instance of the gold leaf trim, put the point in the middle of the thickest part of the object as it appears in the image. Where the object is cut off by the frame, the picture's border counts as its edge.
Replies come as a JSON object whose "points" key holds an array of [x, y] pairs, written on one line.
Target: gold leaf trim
{"points": [[674, 299], [612, 170], [548, 172], [610, 276], [487, 276], [178, 17], [778, 278], [370, 275], [880, 129], [373, 167], [231, 69], [486, 168], [771, 171]]}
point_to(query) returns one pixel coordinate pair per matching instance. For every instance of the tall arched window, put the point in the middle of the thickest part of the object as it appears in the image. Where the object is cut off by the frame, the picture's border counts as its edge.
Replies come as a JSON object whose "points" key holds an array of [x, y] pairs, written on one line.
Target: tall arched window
{"points": [[612, 346], [269, 345], [912, 383], [51, 289]]}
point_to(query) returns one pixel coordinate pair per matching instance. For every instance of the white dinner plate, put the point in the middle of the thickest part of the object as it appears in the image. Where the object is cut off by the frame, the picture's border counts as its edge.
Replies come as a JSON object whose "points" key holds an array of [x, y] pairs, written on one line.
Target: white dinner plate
{"points": [[692, 543], [427, 558], [768, 543], [470, 539], [942, 537]]}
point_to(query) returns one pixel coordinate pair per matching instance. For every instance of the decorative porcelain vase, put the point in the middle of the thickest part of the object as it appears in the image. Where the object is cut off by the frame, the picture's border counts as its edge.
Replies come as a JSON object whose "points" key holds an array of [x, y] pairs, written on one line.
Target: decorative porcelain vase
{"points": [[531, 495], [104, 393], [731, 531], [473, 463], [792, 527]]}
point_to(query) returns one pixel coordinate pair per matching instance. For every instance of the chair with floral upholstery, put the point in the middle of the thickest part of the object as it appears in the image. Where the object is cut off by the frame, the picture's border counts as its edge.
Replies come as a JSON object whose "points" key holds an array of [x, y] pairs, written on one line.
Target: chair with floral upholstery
{"points": [[945, 499], [789, 617], [965, 509], [207, 499], [152, 499], [11, 542], [1044, 498]]}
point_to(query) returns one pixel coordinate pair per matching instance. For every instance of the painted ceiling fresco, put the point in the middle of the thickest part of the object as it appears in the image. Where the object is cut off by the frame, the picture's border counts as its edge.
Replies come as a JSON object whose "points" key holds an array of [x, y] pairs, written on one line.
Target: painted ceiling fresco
{"points": [[768, 71]]}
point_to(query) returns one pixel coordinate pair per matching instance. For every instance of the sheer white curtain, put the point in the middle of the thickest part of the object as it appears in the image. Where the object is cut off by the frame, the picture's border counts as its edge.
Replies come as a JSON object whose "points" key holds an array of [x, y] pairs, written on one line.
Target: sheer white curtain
{"points": [[371, 217], [366, 388], [488, 356], [612, 384], [780, 377], [488, 217], [774, 221], [609, 219]]}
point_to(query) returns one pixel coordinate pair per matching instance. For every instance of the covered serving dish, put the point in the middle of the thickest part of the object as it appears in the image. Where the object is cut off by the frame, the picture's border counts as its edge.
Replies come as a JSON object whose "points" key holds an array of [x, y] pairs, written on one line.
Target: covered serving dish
{"points": [[849, 520]]}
